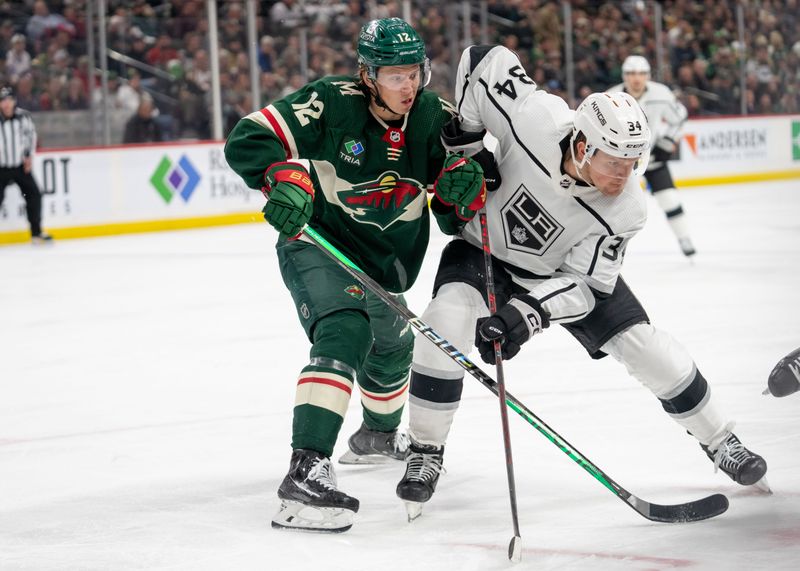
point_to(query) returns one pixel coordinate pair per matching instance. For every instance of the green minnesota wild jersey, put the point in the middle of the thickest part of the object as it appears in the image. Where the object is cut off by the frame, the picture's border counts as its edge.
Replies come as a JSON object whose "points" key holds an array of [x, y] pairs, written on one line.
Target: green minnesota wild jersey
{"points": [[371, 179]]}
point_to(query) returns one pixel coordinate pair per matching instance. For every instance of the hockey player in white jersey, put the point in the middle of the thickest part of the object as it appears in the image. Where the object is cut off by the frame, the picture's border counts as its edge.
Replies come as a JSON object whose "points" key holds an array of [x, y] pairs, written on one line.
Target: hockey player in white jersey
{"points": [[559, 223], [666, 116]]}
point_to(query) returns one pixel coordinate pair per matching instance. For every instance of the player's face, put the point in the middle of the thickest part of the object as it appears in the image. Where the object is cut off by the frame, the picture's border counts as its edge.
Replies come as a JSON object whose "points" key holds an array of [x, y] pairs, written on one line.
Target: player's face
{"points": [[635, 82], [398, 86], [609, 174]]}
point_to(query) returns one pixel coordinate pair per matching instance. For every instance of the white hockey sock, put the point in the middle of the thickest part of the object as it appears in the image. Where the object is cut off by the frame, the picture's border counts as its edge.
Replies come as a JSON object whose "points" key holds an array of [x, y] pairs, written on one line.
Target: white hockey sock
{"points": [[436, 379], [665, 367]]}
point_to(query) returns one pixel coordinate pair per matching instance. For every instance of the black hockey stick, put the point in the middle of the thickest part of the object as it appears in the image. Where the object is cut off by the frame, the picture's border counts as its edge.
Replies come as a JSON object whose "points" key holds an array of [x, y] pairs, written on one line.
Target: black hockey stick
{"points": [[703, 508], [515, 545]]}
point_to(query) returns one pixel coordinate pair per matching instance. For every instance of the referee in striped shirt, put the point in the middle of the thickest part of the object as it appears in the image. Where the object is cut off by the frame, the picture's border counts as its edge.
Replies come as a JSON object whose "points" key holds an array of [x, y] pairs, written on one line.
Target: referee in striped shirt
{"points": [[17, 144]]}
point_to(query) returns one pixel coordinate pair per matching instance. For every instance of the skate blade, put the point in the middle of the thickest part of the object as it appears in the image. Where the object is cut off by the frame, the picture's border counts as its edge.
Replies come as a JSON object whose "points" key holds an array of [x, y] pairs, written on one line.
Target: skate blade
{"points": [[302, 517], [351, 458], [413, 510], [763, 485]]}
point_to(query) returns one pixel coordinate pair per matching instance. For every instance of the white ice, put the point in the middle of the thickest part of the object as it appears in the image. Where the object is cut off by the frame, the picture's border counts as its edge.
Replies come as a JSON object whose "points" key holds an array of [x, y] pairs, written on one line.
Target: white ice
{"points": [[147, 385]]}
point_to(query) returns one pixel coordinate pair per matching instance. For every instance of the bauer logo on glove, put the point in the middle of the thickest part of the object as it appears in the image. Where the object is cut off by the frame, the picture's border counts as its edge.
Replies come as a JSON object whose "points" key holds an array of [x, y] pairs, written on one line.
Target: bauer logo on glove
{"points": [[290, 198]]}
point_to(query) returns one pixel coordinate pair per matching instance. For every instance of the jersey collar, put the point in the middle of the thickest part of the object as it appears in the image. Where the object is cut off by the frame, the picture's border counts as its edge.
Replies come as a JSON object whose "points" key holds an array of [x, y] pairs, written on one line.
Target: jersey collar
{"points": [[386, 125]]}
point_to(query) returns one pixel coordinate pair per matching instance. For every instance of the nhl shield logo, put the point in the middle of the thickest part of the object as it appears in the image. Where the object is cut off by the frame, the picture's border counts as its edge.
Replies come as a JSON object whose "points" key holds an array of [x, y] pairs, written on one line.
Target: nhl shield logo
{"points": [[528, 226]]}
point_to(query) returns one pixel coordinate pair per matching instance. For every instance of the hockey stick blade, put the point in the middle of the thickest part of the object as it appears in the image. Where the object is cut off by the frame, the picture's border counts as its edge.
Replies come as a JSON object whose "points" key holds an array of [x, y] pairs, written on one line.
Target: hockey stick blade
{"points": [[515, 549], [696, 510]]}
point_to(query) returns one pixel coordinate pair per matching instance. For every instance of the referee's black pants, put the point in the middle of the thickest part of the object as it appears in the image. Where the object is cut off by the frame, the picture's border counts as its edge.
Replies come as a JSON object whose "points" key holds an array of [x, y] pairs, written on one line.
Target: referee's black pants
{"points": [[30, 192]]}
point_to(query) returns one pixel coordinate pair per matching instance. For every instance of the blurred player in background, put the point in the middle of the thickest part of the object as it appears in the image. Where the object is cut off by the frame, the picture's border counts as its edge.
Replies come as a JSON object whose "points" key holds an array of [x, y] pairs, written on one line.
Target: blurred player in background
{"points": [[374, 151], [666, 116]]}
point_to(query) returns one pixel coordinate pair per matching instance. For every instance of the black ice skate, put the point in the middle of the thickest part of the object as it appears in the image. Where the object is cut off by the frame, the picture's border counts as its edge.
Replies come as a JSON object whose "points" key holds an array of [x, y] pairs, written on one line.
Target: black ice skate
{"points": [[374, 447], [743, 466], [423, 466], [309, 498], [41, 238]]}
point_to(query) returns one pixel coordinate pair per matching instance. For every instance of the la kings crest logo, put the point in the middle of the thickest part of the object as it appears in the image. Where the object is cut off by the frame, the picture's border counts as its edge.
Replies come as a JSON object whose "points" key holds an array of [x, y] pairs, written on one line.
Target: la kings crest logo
{"points": [[383, 201], [528, 226]]}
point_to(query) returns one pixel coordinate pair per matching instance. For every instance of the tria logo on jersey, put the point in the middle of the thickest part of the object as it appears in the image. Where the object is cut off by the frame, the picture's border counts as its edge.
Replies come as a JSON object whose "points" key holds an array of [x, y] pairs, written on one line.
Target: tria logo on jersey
{"points": [[350, 151], [528, 226], [383, 201], [171, 178]]}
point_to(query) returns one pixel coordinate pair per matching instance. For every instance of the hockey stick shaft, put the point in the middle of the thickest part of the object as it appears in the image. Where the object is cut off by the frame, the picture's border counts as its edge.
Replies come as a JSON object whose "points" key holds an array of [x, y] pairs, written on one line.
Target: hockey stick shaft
{"points": [[463, 361], [501, 384], [679, 512]]}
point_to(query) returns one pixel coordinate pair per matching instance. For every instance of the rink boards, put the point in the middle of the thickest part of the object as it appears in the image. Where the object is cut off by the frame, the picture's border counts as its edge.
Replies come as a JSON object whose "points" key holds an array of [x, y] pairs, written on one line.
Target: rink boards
{"points": [[143, 188]]}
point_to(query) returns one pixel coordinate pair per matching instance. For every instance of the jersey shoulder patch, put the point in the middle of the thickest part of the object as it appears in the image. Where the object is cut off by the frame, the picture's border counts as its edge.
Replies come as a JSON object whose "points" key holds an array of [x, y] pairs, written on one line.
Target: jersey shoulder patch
{"points": [[336, 86]]}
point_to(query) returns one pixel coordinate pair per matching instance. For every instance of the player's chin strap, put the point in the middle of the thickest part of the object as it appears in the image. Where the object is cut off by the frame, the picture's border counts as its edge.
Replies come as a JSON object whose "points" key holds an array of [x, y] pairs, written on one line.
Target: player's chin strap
{"points": [[579, 165], [703, 508]]}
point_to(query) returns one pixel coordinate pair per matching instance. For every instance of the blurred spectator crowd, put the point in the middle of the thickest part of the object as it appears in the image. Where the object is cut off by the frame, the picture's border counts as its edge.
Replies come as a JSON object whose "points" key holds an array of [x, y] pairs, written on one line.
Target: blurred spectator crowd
{"points": [[159, 63]]}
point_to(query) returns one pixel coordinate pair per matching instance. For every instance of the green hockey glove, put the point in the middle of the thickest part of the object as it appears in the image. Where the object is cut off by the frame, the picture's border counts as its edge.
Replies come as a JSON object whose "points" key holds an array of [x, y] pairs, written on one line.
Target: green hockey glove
{"points": [[461, 184], [290, 198]]}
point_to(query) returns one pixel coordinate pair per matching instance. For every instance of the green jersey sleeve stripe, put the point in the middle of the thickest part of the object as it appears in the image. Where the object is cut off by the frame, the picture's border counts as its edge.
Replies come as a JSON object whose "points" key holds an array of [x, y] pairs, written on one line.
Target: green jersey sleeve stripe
{"points": [[270, 118]]}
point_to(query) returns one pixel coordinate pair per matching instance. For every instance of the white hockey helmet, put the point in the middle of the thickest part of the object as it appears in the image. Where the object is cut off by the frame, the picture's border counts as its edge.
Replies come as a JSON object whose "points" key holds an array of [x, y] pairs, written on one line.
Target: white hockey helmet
{"points": [[635, 64], [615, 124]]}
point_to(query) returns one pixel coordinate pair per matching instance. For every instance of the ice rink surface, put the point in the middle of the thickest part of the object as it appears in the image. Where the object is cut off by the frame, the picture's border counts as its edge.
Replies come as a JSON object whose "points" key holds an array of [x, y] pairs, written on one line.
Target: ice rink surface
{"points": [[147, 384]]}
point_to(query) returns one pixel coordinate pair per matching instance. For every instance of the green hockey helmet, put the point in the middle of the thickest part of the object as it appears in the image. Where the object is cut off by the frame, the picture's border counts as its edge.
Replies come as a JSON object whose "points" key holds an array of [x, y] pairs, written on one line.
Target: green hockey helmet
{"points": [[391, 42]]}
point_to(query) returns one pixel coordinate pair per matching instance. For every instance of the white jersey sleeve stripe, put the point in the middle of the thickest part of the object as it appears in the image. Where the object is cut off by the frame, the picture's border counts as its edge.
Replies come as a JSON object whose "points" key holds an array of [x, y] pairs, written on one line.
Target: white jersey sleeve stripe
{"points": [[596, 254], [595, 214], [511, 126]]}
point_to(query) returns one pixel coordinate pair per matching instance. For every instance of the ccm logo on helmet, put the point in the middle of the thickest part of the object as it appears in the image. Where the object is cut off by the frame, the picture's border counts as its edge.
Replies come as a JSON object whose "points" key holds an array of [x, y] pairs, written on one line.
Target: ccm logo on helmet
{"points": [[600, 116], [634, 146]]}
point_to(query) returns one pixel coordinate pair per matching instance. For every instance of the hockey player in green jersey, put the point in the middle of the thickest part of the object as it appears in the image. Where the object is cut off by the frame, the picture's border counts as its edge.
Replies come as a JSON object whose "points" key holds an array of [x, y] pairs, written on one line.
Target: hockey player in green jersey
{"points": [[373, 149]]}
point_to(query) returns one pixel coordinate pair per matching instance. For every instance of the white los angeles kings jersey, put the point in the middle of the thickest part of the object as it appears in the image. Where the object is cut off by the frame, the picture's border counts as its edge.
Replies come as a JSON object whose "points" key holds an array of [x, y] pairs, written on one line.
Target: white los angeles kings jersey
{"points": [[556, 236], [665, 114]]}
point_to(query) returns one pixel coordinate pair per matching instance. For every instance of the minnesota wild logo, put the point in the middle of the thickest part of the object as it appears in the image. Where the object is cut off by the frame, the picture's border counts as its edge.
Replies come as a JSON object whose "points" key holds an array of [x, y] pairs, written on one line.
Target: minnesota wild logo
{"points": [[355, 290], [381, 202]]}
